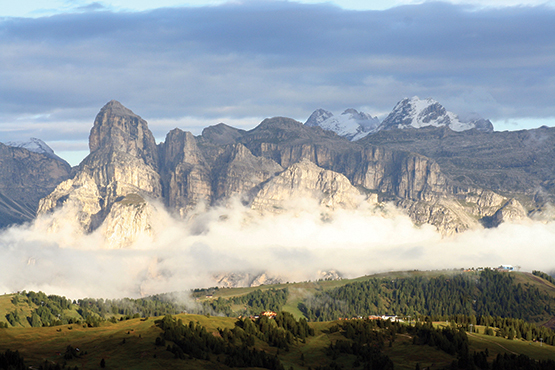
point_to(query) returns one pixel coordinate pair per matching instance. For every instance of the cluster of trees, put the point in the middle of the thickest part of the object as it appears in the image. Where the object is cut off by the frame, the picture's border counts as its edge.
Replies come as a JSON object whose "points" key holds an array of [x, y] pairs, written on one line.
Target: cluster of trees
{"points": [[279, 332], [486, 293], [153, 306], [451, 340], [507, 327], [366, 341], [51, 310], [194, 341], [497, 295], [254, 302], [11, 360], [367, 338], [544, 276], [235, 347], [520, 362], [262, 300]]}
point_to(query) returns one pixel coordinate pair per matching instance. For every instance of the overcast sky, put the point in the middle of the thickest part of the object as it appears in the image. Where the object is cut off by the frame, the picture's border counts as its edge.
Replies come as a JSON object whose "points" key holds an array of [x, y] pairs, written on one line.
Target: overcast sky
{"points": [[194, 63]]}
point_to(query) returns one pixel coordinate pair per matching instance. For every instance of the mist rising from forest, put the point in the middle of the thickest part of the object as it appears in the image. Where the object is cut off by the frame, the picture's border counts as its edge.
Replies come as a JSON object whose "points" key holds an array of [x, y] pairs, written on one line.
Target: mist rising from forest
{"points": [[294, 245]]}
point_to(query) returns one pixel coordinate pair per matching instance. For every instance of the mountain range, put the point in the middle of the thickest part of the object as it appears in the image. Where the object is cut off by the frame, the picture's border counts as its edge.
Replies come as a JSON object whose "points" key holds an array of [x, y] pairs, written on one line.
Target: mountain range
{"points": [[408, 113], [440, 170]]}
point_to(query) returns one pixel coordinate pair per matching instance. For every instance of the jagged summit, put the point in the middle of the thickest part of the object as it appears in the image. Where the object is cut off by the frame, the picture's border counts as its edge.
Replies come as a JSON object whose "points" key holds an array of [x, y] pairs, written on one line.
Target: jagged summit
{"points": [[317, 117], [117, 128], [408, 113], [115, 108], [417, 113]]}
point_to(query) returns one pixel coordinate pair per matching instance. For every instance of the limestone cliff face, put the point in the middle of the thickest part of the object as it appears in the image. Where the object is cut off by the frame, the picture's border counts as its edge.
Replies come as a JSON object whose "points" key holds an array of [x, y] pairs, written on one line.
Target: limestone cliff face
{"points": [[123, 161], [118, 129], [190, 178], [128, 219], [407, 175], [81, 195], [413, 181], [305, 179], [239, 172], [186, 175], [245, 279], [446, 214], [510, 212]]}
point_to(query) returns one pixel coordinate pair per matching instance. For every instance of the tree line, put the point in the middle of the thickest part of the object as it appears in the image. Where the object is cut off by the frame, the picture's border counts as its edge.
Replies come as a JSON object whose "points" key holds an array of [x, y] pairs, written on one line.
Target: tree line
{"points": [[485, 293]]}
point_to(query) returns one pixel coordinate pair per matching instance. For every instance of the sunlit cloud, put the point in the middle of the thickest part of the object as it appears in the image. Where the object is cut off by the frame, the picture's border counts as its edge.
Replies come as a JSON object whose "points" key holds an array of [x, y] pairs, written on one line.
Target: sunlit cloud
{"points": [[295, 245]]}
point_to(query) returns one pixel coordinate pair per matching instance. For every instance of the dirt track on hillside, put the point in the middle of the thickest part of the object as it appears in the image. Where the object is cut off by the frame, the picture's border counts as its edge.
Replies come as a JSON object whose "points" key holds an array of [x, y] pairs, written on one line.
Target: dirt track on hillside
{"points": [[487, 340]]}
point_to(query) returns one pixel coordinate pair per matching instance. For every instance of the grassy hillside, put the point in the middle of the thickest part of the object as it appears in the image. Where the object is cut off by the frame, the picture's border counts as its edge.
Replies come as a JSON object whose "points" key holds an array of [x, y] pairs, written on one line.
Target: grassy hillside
{"points": [[131, 345], [415, 293], [124, 333], [433, 293]]}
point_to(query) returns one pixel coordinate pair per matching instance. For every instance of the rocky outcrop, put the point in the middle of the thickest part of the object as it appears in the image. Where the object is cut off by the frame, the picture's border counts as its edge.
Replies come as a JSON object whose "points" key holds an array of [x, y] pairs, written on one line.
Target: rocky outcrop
{"points": [[329, 275], [81, 194], [118, 129], [186, 177], [512, 211], [239, 172], [446, 214], [306, 180], [129, 219], [25, 178], [123, 161], [245, 279], [221, 134]]}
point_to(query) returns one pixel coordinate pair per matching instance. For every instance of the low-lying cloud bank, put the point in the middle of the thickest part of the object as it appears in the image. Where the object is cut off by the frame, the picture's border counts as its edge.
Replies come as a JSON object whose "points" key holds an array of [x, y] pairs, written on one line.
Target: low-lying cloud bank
{"points": [[295, 245]]}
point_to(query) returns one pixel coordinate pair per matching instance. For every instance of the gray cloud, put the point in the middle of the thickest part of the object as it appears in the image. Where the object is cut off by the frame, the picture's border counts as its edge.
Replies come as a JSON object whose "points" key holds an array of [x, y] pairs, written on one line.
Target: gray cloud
{"points": [[259, 59]]}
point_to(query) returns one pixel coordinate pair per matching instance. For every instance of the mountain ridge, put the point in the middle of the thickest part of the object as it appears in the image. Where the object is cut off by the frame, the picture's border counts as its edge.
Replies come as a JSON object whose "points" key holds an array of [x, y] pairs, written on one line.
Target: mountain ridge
{"points": [[412, 169], [409, 113]]}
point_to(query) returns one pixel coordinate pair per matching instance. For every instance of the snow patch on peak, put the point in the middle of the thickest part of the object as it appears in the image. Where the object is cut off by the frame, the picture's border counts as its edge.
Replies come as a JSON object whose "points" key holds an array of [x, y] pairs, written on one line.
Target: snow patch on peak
{"points": [[417, 113], [34, 145], [351, 124]]}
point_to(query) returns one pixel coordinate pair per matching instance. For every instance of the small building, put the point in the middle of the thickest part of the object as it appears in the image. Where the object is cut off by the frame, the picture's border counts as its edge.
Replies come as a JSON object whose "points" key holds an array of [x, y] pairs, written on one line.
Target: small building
{"points": [[506, 268], [269, 314]]}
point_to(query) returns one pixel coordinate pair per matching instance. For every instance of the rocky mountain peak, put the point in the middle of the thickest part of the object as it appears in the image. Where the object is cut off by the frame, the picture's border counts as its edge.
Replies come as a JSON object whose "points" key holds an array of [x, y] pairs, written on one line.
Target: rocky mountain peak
{"points": [[36, 146], [117, 128], [116, 108], [181, 146], [417, 113], [351, 124], [317, 117], [222, 134]]}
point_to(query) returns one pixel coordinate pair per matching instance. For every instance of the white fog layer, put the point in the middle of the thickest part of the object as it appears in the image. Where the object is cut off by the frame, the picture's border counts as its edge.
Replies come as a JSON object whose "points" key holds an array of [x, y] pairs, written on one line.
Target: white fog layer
{"points": [[179, 255]]}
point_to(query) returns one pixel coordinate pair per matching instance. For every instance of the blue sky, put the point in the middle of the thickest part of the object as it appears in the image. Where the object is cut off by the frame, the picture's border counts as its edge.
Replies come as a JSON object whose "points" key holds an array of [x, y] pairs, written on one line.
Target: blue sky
{"points": [[191, 64]]}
